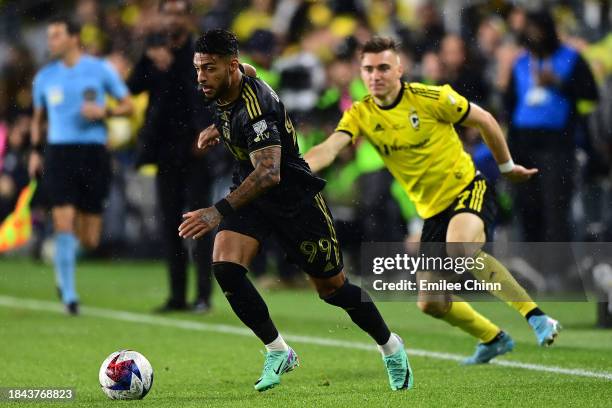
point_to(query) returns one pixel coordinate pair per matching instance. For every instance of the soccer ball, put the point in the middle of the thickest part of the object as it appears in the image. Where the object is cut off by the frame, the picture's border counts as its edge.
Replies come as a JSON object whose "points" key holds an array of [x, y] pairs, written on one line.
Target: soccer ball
{"points": [[126, 374]]}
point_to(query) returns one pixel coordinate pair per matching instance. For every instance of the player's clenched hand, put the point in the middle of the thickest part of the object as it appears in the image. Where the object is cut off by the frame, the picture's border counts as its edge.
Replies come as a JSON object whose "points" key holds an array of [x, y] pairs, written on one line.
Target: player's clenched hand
{"points": [[208, 137], [519, 174], [197, 223]]}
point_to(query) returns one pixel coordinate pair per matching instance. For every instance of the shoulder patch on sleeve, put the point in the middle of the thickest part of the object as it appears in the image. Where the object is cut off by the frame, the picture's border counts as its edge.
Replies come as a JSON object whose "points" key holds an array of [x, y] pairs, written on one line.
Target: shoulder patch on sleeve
{"points": [[250, 99], [260, 127]]}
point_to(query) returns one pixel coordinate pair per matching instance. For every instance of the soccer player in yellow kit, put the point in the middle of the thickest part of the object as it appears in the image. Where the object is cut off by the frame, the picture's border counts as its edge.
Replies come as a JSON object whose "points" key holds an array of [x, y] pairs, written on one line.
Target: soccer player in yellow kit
{"points": [[412, 127]]}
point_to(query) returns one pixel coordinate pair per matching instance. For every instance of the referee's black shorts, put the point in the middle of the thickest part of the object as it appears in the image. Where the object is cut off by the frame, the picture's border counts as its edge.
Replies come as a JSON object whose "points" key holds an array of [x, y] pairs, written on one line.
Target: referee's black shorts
{"points": [[77, 174], [308, 238]]}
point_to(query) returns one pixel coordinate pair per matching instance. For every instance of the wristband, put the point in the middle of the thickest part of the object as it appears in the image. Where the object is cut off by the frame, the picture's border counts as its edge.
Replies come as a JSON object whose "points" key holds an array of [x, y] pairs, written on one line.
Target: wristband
{"points": [[506, 167], [224, 207]]}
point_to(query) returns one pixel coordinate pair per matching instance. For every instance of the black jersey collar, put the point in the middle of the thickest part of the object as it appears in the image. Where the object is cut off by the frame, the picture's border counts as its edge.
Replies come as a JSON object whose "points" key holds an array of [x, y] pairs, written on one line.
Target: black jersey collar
{"points": [[397, 99]]}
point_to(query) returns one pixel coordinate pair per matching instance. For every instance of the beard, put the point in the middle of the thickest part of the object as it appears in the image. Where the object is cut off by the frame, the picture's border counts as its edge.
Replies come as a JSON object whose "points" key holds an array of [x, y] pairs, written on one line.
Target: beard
{"points": [[218, 93]]}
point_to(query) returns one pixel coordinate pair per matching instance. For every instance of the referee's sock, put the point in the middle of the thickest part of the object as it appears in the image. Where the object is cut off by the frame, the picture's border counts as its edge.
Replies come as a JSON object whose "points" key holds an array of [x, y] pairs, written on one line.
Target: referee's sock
{"points": [[511, 292], [245, 300], [362, 310], [65, 261]]}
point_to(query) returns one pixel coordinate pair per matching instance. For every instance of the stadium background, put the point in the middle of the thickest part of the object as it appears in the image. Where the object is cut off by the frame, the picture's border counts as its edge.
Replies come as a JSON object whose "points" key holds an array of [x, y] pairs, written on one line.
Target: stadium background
{"points": [[306, 50]]}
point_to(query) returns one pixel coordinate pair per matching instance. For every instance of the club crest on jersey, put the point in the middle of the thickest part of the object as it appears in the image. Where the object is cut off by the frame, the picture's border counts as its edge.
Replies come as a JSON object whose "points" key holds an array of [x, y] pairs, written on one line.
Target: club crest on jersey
{"points": [[226, 132], [414, 120], [225, 129]]}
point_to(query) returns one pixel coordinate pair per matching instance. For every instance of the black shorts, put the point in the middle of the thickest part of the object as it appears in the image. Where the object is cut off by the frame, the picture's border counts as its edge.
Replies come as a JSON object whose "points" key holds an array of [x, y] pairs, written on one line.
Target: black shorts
{"points": [[478, 198], [79, 175], [308, 238]]}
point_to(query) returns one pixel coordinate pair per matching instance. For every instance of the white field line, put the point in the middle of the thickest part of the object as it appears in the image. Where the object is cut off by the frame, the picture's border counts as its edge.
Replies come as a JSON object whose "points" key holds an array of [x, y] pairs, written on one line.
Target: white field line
{"points": [[45, 306]]}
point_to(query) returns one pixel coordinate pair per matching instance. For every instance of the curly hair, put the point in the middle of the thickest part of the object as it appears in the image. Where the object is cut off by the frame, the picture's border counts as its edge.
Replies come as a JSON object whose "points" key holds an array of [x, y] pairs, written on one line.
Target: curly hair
{"points": [[220, 42]]}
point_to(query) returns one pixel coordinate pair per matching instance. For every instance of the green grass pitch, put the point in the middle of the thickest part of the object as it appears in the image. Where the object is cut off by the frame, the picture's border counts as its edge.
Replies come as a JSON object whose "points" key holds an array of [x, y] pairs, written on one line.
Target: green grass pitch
{"points": [[196, 365]]}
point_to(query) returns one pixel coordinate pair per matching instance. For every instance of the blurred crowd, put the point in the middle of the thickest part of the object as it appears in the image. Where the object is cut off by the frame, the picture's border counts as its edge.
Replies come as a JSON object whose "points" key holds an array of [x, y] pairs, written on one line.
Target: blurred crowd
{"points": [[308, 52]]}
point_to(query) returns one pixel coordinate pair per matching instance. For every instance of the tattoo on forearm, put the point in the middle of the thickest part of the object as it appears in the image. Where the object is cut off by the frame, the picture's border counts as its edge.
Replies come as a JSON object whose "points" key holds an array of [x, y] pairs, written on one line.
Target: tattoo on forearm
{"points": [[266, 175], [208, 218]]}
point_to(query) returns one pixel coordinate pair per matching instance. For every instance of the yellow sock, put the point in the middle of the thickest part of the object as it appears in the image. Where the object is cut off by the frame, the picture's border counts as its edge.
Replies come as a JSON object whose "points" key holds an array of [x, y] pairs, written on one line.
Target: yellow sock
{"points": [[463, 316], [511, 292]]}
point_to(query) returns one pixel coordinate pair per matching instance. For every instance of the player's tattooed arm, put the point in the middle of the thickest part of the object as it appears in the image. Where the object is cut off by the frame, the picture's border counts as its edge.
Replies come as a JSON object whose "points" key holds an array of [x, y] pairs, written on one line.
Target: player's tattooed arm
{"points": [[265, 176], [198, 223]]}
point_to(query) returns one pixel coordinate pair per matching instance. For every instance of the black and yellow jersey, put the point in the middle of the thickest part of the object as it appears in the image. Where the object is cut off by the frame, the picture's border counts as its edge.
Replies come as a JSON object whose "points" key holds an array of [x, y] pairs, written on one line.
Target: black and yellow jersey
{"points": [[417, 141], [256, 120]]}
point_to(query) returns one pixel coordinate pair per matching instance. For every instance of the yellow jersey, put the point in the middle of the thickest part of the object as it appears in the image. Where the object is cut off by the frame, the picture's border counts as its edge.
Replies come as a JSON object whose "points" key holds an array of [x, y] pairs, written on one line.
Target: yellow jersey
{"points": [[417, 141]]}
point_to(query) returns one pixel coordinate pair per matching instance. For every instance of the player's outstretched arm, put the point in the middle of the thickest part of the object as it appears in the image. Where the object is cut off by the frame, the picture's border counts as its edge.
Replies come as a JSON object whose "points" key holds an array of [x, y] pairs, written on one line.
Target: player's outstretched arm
{"points": [[494, 138], [324, 154], [266, 175]]}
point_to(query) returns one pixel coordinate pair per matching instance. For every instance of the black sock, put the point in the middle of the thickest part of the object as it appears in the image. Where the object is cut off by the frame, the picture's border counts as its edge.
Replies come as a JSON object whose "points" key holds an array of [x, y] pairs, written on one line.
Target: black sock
{"points": [[245, 300], [362, 310], [497, 337], [534, 312]]}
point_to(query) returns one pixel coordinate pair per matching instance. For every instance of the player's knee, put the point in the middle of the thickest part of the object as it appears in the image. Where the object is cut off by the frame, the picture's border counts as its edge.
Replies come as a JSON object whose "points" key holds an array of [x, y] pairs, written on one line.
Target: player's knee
{"points": [[434, 309], [327, 287], [228, 274], [234, 248], [342, 296]]}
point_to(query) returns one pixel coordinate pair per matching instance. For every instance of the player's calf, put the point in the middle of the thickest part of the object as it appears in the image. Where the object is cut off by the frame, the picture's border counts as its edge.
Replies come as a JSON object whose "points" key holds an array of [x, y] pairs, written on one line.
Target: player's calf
{"points": [[361, 309], [364, 313], [244, 299], [433, 308]]}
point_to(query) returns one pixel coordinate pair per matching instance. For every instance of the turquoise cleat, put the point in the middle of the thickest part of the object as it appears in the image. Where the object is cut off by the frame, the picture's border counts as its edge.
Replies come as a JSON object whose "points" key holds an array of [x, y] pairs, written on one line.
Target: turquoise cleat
{"points": [[546, 329], [276, 364], [398, 368], [485, 352]]}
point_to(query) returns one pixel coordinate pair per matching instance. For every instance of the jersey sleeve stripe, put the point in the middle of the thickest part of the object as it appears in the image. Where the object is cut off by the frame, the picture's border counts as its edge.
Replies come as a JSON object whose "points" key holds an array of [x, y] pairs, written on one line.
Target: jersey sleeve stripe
{"points": [[427, 93], [247, 102], [250, 92], [426, 90], [250, 104], [467, 112]]}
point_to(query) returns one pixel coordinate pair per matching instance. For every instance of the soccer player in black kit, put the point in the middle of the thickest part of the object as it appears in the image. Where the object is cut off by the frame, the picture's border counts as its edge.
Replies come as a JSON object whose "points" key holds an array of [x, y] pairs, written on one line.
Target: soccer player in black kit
{"points": [[274, 193]]}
